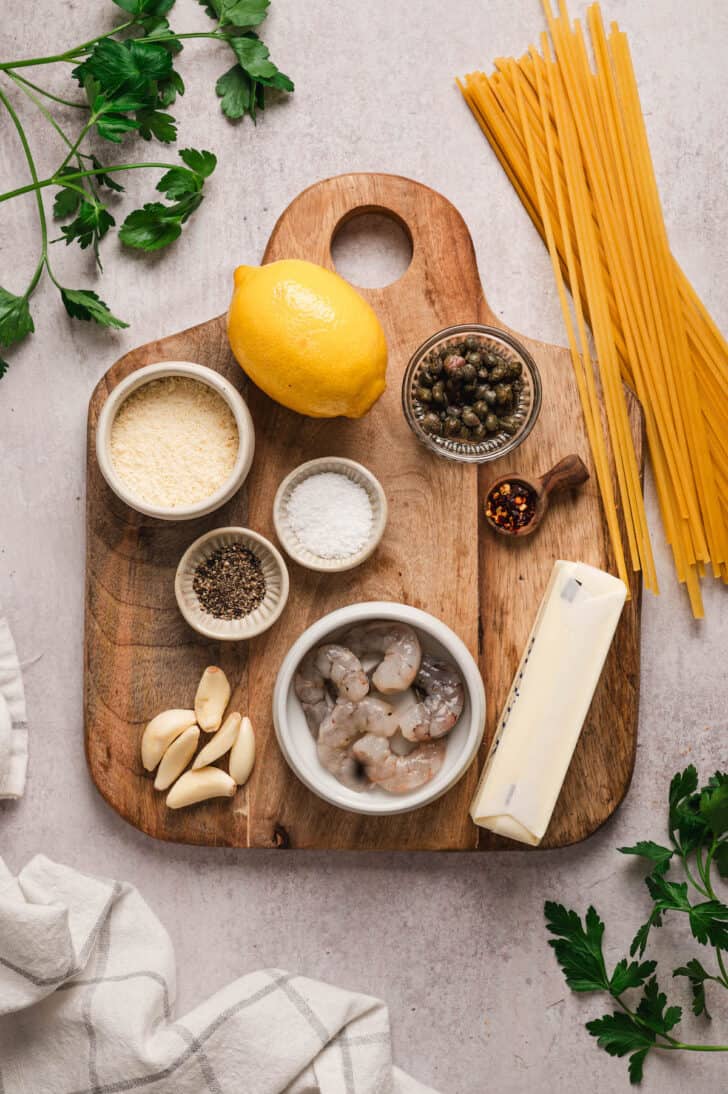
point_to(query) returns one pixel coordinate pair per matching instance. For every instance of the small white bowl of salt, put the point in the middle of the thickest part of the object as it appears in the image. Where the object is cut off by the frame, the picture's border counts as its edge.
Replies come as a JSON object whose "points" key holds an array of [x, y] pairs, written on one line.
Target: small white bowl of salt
{"points": [[329, 514]]}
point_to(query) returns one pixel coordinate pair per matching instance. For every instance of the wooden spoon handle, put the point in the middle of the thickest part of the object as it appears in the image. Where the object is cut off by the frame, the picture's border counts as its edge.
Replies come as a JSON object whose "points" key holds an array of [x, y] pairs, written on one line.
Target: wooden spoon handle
{"points": [[569, 472]]}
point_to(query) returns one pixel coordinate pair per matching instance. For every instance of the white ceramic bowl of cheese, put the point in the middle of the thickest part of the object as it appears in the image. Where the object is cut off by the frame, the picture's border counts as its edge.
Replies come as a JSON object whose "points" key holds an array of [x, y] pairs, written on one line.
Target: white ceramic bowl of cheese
{"points": [[299, 747], [192, 371]]}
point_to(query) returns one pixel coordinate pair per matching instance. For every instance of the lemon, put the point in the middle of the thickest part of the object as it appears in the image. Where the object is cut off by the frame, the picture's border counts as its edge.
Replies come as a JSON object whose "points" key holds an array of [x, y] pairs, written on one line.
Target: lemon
{"points": [[307, 338]]}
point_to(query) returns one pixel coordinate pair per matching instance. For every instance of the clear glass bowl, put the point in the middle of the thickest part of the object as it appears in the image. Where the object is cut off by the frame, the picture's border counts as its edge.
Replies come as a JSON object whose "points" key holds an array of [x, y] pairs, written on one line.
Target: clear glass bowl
{"points": [[524, 413]]}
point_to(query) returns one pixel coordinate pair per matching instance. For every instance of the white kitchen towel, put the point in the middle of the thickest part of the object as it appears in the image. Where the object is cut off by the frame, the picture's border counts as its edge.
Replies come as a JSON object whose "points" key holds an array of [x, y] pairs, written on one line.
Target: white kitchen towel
{"points": [[13, 728], [87, 986]]}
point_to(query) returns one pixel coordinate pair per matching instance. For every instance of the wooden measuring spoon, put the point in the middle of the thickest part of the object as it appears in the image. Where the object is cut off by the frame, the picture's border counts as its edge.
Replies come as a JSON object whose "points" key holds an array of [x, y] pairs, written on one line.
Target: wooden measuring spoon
{"points": [[566, 474]]}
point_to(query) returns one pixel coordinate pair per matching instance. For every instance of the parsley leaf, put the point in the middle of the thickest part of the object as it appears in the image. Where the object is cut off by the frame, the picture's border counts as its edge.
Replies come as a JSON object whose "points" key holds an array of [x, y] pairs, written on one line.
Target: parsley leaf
{"points": [[714, 804], [709, 923], [65, 203], [155, 123], [653, 851], [85, 304], [145, 7], [236, 91], [128, 65], [651, 1009], [150, 228], [156, 225], [202, 163], [90, 226], [632, 975], [697, 976], [241, 89], [237, 13], [619, 1034], [578, 948], [15, 318]]}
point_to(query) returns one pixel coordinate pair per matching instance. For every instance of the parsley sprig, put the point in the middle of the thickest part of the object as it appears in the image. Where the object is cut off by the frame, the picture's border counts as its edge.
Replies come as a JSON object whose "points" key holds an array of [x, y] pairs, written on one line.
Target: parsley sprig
{"points": [[128, 82], [698, 841]]}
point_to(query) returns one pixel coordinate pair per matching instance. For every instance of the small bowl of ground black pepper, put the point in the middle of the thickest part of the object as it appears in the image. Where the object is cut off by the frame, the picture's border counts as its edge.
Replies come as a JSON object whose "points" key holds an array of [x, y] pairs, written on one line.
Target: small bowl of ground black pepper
{"points": [[471, 393], [231, 584]]}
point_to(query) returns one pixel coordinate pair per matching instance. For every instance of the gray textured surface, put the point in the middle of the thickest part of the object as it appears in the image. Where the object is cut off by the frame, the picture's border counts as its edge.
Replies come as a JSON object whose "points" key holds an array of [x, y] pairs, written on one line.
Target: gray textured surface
{"points": [[455, 944]]}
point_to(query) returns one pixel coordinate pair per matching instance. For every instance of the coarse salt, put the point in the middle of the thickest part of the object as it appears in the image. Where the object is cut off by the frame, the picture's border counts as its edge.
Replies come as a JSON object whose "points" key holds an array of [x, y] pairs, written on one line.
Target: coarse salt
{"points": [[174, 442], [330, 515]]}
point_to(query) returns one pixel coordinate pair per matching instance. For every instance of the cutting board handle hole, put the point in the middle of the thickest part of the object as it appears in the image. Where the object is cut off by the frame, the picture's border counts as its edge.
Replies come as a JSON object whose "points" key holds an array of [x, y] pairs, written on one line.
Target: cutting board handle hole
{"points": [[371, 247]]}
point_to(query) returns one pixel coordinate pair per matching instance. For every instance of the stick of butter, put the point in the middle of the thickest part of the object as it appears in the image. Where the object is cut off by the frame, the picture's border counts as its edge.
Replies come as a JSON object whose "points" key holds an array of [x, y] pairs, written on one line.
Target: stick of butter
{"points": [[548, 702]]}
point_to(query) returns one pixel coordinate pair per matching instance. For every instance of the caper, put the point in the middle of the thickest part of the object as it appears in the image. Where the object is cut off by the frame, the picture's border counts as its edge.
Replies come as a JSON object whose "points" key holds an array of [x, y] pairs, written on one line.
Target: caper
{"points": [[424, 394], [425, 377], [461, 348], [474, 359], [438, 392], [483, 374], [481, 408], [464, 433], [491, 357], [503, 394], [470, 418], [478, 433], [491, 423], [480, 390], [515, 368], [498, 372], [489, 396], [471, 343], [434, 367], [451, 427], [432, 424], [454, 411], [469, 373], [454, 365], [509, 424]]}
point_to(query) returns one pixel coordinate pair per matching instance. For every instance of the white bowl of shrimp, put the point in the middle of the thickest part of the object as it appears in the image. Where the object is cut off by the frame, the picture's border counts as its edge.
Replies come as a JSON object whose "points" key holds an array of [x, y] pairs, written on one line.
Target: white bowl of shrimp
{"points": [[379, 708]]}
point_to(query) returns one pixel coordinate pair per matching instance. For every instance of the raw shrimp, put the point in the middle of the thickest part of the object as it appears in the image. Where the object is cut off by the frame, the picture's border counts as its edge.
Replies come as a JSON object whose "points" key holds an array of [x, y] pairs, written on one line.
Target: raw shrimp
{"points": [[341, 728], [398, 774], [444, 695], [400, 649], [328, 663]]}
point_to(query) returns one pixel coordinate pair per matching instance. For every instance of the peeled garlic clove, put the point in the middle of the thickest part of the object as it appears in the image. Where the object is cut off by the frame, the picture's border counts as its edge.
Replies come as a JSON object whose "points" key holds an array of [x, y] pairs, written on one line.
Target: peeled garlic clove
{"points": [[242, 756], [176, 758], [221, 743], [198, 786], [160, 733], [213, 695]]}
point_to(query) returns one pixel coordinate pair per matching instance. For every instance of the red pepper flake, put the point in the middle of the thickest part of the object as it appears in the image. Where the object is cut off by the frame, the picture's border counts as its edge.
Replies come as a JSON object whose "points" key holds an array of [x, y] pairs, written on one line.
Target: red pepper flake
{"points": [[511, 505]]}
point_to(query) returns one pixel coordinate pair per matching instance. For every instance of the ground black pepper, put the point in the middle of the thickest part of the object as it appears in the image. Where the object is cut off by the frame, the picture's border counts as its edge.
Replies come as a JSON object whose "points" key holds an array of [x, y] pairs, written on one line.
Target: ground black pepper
{"points": [[229, 584], [511, 505]]}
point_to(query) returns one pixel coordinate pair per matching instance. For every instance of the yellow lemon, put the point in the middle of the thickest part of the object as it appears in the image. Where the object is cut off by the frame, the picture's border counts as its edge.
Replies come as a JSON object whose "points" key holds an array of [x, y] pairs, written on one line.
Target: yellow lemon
{"points": [[307, 338]]}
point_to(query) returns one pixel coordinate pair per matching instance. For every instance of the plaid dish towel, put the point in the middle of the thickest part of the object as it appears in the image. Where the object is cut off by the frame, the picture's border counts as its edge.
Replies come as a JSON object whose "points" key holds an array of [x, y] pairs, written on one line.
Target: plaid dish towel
{"points": [[13, 729], [87, 984]]}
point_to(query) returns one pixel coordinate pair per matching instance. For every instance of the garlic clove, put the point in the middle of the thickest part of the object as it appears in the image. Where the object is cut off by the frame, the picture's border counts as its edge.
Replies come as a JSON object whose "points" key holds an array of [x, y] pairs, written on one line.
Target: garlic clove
{"points": [[160, 733], [221, 743], [198, 786], [242, 756], [213, 695], [176, 758]]}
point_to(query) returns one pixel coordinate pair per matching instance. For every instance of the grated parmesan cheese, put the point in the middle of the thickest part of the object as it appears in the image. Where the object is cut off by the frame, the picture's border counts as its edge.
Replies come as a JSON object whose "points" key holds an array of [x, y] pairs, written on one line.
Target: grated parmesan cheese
{"points": [[174, 442]]}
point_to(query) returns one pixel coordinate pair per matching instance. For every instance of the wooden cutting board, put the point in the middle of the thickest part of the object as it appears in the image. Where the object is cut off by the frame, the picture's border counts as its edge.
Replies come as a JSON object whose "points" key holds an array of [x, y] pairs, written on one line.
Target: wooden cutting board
{"points": [[437, 554]]}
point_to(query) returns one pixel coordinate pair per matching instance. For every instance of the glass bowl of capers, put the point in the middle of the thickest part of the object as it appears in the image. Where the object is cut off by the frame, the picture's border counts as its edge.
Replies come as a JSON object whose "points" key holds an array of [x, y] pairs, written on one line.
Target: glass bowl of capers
{"points": [[471, 393]]}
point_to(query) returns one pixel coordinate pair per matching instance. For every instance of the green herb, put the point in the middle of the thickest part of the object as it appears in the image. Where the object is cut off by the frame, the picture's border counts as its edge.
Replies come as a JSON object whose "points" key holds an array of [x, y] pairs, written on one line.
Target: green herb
{"points": [[698, 840], [128, 81]]}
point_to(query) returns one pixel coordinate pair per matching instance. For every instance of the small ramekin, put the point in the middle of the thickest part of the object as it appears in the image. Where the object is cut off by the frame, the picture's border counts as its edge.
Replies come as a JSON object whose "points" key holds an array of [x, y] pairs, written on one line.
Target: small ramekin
{"points": [[501, 443], [358, 474], [243, 421], [262, 617], [299, 747]]}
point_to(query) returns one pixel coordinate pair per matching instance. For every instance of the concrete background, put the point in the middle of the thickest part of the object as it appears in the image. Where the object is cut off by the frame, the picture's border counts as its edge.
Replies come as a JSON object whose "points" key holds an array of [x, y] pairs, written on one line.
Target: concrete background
{"points": [[454, 943]]}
